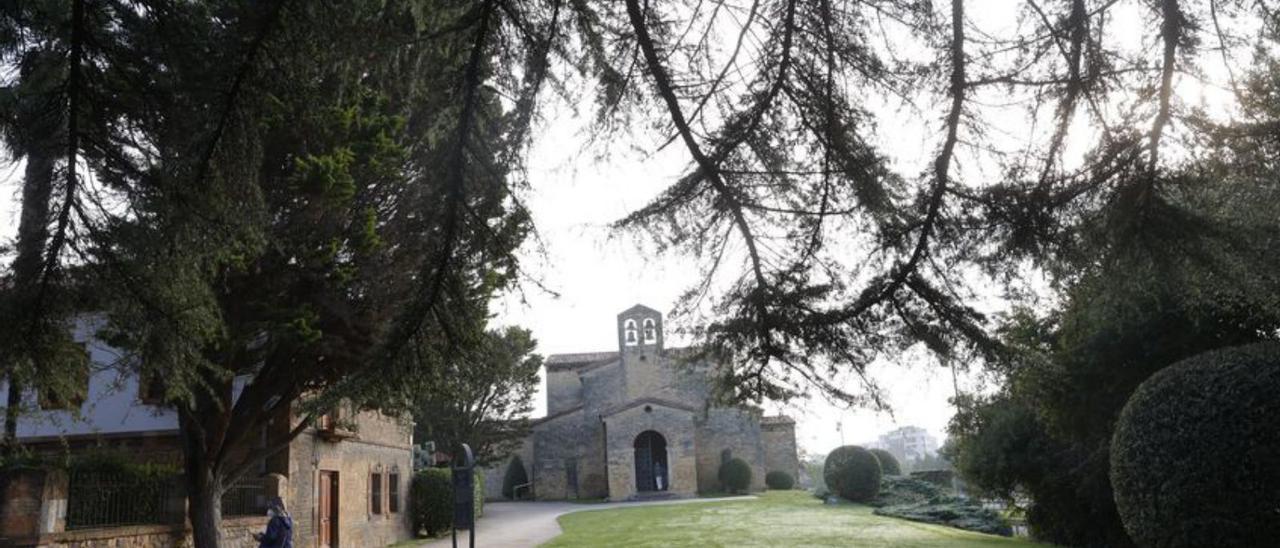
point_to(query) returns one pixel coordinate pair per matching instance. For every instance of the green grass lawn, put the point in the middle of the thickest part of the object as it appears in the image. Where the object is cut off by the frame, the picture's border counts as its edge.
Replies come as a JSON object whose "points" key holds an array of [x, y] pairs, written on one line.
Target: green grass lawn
{"points": [[777, 519]]}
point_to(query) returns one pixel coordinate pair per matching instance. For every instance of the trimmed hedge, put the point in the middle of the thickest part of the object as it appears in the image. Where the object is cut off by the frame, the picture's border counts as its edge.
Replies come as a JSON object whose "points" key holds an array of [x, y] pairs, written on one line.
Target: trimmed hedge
{"points": [[735, 475], [431, 500], [888, 463], [853, 473], [514, 477], [1195, 459], [779, 480]]}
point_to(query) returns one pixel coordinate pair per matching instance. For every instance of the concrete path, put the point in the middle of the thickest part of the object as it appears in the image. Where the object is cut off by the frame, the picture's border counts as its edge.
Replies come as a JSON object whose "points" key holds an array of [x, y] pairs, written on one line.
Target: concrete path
{"points": [[526, 524]]}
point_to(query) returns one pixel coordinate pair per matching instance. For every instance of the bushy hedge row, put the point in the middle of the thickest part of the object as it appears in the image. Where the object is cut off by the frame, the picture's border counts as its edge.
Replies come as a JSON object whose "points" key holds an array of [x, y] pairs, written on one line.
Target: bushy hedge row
{"points": [[431, 496], [779, 480], [735, 475], [853, 473], [888, 463], [1195, 460]]}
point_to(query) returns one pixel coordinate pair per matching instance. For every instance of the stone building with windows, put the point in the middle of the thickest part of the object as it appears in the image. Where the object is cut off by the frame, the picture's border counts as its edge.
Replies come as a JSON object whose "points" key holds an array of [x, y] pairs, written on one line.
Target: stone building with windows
{"points": [[640, 422], [345, 479]]}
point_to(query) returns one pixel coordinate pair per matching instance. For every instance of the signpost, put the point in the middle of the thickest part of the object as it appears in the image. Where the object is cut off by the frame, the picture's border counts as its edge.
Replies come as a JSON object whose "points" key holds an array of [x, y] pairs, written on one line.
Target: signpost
{"points": [[464, 501]]}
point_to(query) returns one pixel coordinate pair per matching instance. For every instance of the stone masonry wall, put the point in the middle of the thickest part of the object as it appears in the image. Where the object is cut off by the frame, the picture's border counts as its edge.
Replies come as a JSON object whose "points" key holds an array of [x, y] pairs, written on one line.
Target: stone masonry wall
{"points": [[780, 448], [381, 444], [734, 429], [564, 390], [675, 426]]}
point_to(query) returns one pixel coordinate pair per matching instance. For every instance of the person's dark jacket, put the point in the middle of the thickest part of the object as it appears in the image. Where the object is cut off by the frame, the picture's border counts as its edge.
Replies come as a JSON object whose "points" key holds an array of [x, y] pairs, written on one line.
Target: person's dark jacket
{"points": [[279, 533]]}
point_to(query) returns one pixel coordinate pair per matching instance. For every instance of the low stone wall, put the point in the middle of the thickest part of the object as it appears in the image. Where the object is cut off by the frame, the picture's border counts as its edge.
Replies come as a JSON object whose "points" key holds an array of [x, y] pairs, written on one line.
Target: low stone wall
{"points": [[237, 533], [33, 505]]}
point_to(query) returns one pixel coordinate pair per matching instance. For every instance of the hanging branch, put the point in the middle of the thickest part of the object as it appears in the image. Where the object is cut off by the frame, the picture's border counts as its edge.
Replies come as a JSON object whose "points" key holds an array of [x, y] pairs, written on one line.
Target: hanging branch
{"points": [[1171, 26], [709, 165], [70, 189], [877, 293], [436, 270]]}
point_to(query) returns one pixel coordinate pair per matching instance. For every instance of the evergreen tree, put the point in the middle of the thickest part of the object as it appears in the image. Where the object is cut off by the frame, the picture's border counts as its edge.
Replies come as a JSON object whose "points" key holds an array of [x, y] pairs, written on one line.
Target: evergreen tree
{"points": [[482, 398]]}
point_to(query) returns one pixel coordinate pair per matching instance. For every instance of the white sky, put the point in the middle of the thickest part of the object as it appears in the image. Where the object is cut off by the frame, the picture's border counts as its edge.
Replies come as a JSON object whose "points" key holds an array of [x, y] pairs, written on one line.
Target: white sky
{"points": [[574, 196]]}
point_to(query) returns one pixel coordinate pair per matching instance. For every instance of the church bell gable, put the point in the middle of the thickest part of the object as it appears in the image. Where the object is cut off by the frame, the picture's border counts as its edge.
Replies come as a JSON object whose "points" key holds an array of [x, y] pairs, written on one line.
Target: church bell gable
{"points": [[640, 329]]}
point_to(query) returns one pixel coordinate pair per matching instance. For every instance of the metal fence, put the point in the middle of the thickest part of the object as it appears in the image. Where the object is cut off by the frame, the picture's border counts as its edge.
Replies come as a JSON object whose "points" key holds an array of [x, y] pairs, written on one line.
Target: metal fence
{"points": [[98, 498], [246, 498]]}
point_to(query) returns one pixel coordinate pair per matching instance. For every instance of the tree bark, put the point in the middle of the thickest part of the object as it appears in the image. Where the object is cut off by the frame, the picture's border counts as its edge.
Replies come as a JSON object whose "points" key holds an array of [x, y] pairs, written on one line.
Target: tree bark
{"points": [[204, 506], [203, 481], [33, 235]]}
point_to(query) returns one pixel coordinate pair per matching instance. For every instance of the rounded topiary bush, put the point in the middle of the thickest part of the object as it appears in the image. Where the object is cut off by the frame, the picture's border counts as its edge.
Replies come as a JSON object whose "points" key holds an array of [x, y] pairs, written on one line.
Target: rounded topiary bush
{"points": [[888, 463], [1195, 459], [735, 475], [853, 473], [779, 480]]}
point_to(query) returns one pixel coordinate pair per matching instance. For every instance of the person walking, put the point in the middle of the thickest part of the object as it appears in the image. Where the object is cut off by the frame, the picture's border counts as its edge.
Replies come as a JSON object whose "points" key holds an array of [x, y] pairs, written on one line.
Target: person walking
{"points": [[279, 533]]}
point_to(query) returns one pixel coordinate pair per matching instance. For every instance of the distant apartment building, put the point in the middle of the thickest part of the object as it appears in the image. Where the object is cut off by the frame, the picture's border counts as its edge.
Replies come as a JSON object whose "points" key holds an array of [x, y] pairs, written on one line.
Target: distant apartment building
{"points": [[909, 443]]}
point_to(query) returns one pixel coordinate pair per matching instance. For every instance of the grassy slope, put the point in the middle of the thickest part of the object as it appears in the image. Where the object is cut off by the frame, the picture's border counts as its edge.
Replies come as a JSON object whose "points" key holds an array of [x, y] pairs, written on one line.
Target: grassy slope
{"points": [[777, 519]]}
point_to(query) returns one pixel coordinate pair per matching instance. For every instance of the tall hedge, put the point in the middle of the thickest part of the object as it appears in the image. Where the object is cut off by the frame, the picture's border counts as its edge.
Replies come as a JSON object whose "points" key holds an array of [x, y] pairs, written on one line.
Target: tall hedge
{"points": [[735, 475], [853, 473], [888, 463], [515, 476], [432, 496], [1195, 460], [431, 499]]}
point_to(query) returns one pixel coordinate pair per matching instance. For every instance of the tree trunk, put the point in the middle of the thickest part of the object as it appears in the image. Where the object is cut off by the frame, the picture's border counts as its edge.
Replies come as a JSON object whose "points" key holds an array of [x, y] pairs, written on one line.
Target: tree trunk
{"points": [[33, 234], [204, 480], [204, 508]]}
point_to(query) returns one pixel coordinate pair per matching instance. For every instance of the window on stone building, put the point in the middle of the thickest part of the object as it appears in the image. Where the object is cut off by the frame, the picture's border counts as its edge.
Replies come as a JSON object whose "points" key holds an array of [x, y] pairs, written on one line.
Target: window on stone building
{"points": [[375, 492], [68, 392], [151, 388], [393, 491], [650, 331], [629, 332]]}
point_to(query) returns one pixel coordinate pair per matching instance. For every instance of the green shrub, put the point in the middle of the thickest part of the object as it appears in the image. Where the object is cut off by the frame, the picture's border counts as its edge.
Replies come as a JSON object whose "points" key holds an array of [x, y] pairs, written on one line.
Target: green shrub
{"points": [[952, 512], [779, 480], [735, 475], [899, 490], [1195, 460], [432, 500], [514, 477], [888, 463], [853, 473]]}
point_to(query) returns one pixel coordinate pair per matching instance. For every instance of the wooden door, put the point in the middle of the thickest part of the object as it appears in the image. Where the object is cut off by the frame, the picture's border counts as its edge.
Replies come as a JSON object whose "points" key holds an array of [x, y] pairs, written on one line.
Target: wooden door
{"points": [[644, 469], [327, 509]]}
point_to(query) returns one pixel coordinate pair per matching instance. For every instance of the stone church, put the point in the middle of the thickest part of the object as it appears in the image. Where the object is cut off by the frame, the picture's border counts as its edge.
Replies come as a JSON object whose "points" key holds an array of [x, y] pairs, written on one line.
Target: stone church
{"points": [[639, 423]]}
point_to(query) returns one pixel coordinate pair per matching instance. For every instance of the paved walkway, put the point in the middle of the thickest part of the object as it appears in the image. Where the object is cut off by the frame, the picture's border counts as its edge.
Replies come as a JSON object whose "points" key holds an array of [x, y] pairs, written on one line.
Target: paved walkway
{"points": [[524, 524]]}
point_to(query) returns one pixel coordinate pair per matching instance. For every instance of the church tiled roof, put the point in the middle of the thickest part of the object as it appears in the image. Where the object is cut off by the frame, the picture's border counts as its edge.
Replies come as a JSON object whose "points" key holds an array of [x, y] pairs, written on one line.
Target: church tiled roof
{"points": [[560, 362]]}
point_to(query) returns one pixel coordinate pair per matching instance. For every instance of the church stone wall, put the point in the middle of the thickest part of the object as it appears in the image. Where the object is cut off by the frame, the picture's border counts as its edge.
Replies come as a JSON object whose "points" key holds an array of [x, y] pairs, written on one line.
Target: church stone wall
{"points": [[596, 402], [564, 390], [738, 431], [780, 448], [558, 449], [675, 426]]}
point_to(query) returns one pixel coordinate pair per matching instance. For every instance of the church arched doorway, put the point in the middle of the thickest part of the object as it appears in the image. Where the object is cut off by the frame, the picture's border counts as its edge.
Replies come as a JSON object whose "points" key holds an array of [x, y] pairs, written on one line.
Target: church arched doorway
{"points": [[652, 472]]}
